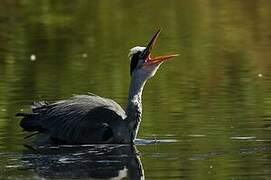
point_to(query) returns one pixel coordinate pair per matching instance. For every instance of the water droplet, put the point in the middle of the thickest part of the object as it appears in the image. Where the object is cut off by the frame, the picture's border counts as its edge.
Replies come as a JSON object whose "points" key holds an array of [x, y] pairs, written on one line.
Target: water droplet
{"points": [[33, 57], [84, 55]]}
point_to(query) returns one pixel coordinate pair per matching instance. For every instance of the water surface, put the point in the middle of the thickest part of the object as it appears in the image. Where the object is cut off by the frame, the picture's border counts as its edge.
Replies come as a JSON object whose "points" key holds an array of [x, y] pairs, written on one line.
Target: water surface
{"points": [[206, 115]]}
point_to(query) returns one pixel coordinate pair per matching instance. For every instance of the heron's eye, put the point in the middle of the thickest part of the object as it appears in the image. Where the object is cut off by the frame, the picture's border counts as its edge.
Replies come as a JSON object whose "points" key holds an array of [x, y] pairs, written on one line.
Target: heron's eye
{"points": [[134, 62]]}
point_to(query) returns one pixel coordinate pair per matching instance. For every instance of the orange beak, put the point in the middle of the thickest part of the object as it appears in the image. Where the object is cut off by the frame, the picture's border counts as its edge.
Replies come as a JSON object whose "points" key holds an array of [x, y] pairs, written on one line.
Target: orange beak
{"points": [[147, 52]]}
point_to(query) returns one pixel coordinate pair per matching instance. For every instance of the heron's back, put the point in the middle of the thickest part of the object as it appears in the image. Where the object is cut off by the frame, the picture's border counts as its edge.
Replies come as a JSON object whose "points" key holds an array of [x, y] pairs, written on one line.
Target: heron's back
{"points": [[81, 119]]}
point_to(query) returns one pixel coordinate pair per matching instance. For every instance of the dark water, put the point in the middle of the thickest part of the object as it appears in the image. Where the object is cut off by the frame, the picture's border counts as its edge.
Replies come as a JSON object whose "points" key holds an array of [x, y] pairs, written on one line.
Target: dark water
{"points": [[207, 114]]}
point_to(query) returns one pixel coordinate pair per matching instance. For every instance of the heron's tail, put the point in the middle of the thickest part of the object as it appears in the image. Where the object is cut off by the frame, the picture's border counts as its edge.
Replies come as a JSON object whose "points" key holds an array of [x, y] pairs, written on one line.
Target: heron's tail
{"points": [[30, 122]]}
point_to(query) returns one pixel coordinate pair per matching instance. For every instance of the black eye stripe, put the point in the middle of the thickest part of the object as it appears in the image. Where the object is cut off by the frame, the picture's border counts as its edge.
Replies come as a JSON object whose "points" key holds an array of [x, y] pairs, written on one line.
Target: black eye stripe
{"points": [[134, 62]]}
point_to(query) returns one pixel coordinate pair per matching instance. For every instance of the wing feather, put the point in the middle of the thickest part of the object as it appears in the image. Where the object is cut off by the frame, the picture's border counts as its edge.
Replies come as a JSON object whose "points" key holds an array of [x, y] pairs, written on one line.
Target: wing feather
{"points": [[81, 119]]}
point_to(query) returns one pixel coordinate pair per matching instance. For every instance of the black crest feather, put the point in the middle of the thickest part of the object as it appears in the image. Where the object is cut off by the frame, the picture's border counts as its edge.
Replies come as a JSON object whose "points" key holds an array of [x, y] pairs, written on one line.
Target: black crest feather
{"points": [[134, 62]]}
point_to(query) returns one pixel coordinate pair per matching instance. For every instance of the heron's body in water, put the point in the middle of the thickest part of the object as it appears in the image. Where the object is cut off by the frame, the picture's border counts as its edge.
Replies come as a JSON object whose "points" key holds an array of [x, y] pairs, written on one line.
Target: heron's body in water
{"points": [[93, 119]]}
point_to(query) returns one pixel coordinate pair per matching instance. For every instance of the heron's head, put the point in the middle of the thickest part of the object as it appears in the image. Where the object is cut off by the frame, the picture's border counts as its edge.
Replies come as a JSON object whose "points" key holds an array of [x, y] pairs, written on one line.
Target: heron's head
{"points": [[142, 64]]}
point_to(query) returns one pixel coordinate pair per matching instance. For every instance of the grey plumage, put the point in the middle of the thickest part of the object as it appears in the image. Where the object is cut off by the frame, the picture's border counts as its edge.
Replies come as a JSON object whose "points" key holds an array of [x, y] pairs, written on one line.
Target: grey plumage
{"points": [[81, 119]]}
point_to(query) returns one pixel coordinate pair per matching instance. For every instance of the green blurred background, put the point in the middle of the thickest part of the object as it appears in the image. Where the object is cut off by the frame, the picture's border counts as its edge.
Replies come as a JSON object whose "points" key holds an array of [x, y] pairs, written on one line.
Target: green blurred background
{"points": [[214, 99]]}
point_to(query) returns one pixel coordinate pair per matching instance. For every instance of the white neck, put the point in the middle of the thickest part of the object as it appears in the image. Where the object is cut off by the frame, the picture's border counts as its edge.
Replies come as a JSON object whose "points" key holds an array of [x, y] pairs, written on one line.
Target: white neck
{"points": [[134, 107]]}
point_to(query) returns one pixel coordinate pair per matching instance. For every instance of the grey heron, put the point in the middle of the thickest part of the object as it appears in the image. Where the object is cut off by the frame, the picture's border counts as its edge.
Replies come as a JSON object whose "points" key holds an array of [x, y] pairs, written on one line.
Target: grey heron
{"points": [[92, 119]]}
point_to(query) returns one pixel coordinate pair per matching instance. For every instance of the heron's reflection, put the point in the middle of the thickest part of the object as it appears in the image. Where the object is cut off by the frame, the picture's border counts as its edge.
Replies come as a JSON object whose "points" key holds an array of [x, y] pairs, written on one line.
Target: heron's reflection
{"points": [[91, 161]]}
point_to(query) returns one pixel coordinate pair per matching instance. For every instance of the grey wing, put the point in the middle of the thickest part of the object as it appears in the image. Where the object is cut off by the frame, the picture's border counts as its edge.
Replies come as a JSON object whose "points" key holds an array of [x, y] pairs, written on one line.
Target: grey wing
{"points": [[81, 119]]}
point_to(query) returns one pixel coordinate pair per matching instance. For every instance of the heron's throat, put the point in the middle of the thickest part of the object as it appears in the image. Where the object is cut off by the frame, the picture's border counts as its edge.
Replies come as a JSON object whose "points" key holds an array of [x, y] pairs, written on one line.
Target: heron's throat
{"points": [[134, 107]]}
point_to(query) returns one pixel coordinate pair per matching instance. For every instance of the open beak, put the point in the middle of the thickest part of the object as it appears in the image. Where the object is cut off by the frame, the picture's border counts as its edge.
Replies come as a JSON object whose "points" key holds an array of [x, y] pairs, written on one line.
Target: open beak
{"points": [[147, 52]]}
